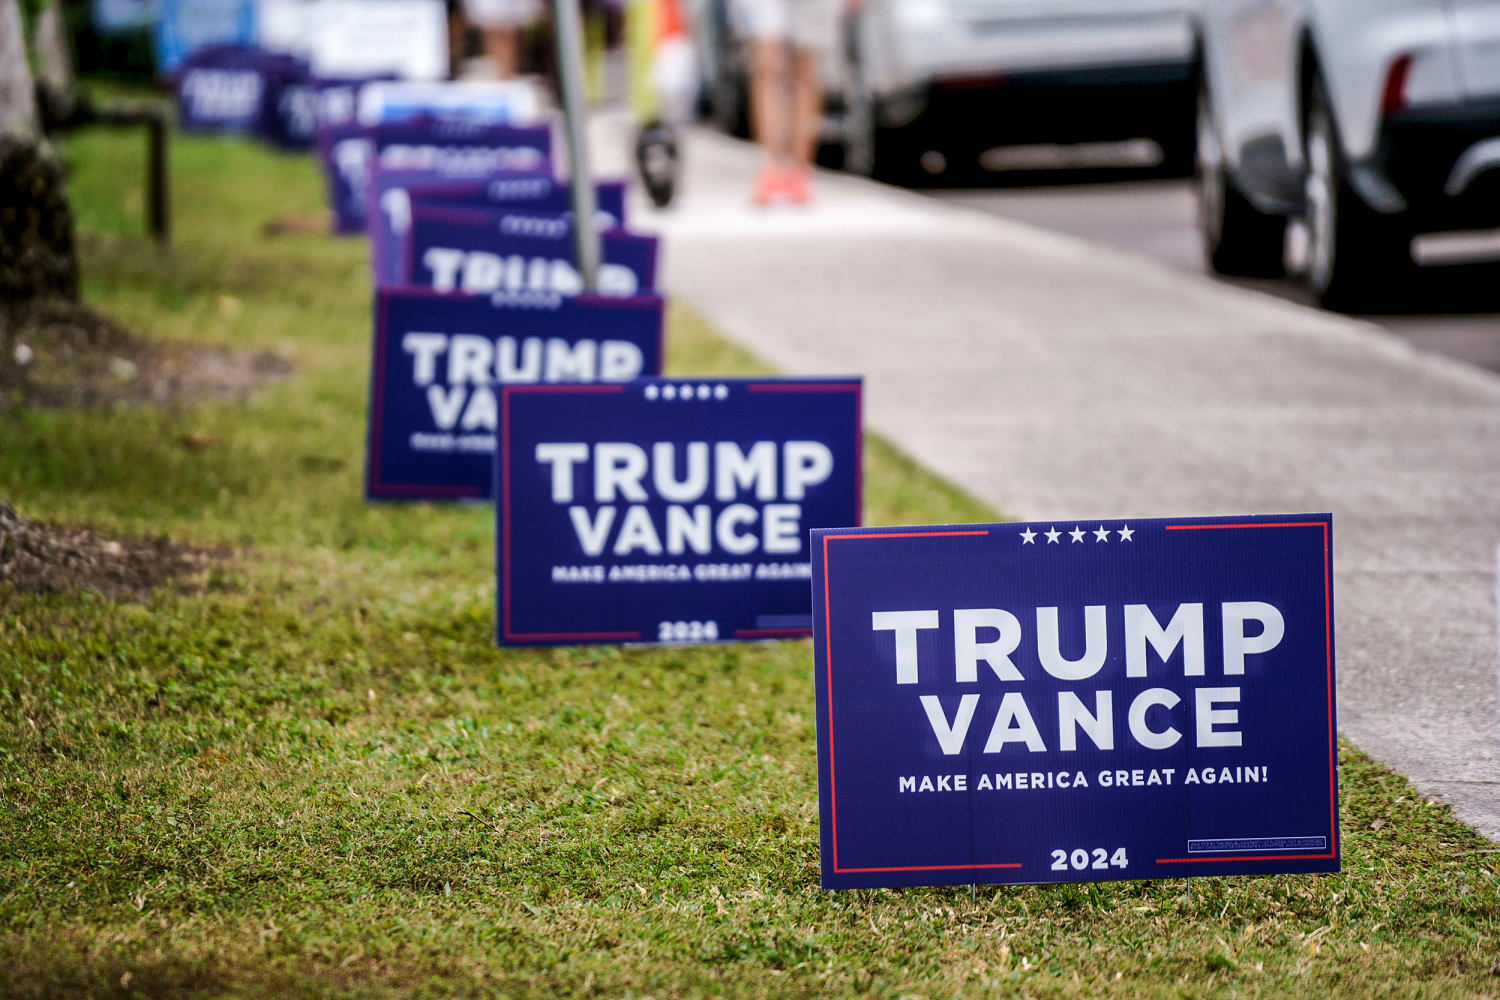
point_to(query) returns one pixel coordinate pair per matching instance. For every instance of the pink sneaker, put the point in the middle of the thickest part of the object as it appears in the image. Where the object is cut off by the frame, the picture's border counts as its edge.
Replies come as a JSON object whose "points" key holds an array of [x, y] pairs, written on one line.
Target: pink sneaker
{"points": [[768, 184], [797, 183]]}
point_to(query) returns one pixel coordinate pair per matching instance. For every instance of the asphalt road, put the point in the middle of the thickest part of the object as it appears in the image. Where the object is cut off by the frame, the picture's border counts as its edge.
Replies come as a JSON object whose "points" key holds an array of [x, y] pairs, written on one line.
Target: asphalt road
{"points": [[1453, 309]]}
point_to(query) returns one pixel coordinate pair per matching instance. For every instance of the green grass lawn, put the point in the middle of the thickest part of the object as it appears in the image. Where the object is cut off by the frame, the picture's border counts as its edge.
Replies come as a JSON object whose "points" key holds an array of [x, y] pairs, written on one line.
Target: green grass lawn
{"points": [[318, 777]]}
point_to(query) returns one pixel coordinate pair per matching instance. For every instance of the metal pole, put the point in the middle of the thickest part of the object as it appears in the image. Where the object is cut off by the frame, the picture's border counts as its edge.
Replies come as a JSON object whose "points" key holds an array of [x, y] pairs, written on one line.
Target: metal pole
{"points": [[570, 83], [158, 207], [158, 182]]}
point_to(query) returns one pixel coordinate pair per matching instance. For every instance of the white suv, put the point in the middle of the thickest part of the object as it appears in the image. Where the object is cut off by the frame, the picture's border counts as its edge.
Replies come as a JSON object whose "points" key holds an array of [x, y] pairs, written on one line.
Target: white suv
{"points": [[1373, 120], [962, 76]]}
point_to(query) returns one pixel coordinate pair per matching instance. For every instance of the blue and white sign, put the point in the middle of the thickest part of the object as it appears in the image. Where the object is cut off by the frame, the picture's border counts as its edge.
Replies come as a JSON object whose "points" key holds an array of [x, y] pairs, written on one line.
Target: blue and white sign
{"points": [[299, 104], [233, 88], [184, 26], [437, 148], [425, 148], [537, 196], [117, 16], [1060, 702], [344, 150], [538, 193], [293, 121], [487, 102], [309, 105], [457, 148], [482, 251], [360, 38], [668, 510], [338, 99], [439, 361]]}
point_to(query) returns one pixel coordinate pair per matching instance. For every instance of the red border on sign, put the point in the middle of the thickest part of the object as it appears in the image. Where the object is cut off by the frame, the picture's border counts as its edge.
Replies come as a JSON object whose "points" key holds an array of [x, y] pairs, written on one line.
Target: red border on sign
{"points": [[1333, 825], [828, 663], [504, 487]]}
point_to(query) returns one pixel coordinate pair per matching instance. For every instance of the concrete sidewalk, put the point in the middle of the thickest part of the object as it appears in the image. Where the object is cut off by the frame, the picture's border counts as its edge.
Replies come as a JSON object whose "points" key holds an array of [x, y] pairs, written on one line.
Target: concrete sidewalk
{"points": [[1065, 381]]}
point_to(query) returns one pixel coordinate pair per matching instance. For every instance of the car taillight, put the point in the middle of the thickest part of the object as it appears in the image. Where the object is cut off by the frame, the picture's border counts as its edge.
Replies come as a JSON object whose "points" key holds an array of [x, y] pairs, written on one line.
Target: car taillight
{"points": [[1393, 97]]}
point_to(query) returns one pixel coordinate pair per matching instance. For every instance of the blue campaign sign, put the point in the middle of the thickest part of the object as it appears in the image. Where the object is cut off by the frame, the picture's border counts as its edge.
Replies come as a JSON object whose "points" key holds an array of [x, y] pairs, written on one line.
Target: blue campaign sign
{"points": [[485, 250], [492, 102], [343, 146], [301, 106], [1015, 703], [538, 193], [304, 105], [440, 359], [344, 151], [291, 121], [338, 97], [535, 196], [434, 146], [461, 148], [234, 88], [427, 147], [668, 510]]}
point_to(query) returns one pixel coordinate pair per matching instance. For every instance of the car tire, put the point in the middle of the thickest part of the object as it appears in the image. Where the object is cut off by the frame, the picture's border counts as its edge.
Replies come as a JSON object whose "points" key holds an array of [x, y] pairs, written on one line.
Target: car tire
{"points": [[872, 150], [1238, 239], [830, 155], [1179, 151], [1356, 257], [729, 99]]}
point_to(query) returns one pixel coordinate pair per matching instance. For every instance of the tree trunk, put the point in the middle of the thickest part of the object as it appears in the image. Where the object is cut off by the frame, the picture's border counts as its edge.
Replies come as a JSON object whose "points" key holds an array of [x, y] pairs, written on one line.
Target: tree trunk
{"points": [[37, 255], [17, 99], [54, 61], [38, 260], [56, 94]]}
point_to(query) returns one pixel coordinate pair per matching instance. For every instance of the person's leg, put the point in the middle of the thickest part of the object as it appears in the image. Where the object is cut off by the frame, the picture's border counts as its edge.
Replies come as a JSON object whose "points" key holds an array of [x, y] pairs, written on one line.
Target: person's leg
{"points": [[458, 29], [807, 107], [615, 76], [768, 116], [503, 46], [763, 24], [768, 99], [813, 36]]}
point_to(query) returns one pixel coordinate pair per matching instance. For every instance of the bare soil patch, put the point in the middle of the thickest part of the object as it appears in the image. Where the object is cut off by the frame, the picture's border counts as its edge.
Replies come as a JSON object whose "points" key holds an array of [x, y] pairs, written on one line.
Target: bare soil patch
{"points": [[60, 353], [299, 224], [38, 558]]}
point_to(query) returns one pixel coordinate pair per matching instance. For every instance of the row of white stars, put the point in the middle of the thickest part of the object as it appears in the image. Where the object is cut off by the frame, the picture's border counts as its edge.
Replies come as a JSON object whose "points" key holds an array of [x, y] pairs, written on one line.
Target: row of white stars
{"points": [[1101, 534], [687, 392]]}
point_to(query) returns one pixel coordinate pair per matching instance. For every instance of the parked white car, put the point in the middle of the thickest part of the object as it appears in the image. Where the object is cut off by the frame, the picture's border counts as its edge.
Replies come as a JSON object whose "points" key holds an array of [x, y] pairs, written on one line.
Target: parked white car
{"points": [[723, 65], [958, 77], [1372, 120]]}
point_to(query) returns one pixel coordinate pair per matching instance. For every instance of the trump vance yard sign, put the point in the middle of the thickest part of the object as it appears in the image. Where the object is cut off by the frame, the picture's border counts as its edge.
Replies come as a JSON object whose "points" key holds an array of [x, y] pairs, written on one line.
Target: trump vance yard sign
{"points": [[1044, 702]]}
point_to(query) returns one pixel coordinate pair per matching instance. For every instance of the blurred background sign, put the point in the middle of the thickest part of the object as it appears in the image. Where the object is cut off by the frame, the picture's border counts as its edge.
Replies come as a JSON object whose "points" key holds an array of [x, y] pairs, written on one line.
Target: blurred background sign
{"points": [[354, 38], [183, 26], [486, 102], [113, 16], [338, 38]]}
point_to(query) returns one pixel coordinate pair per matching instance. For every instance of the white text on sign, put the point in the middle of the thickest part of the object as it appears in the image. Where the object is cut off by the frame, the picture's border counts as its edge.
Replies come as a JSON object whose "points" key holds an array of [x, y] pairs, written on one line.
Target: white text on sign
{"points": [[1014, 721], [767, 471]]}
